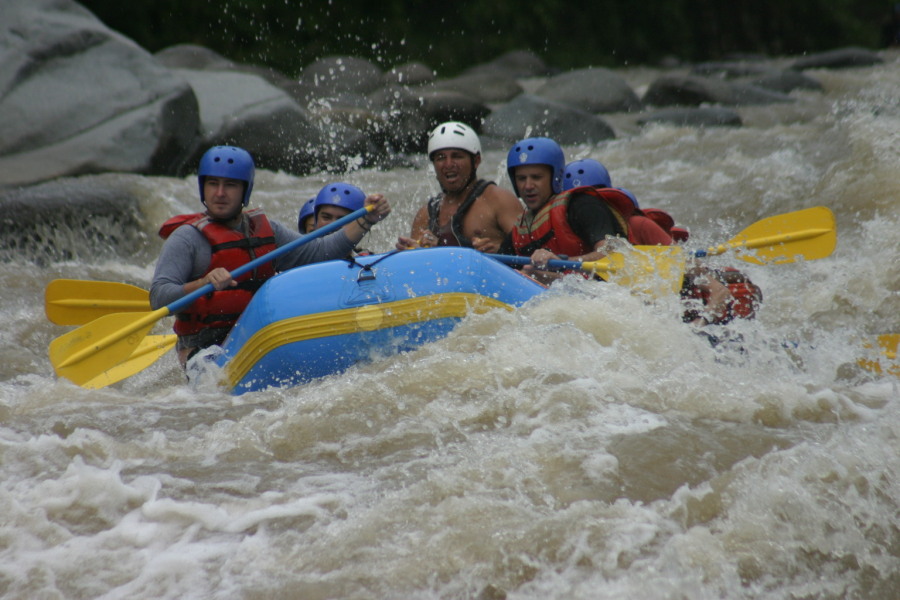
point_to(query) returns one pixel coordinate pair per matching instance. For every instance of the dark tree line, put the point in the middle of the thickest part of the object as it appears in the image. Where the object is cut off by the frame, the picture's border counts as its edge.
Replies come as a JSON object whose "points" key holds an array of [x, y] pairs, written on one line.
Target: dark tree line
{"points": [[448, 36]]}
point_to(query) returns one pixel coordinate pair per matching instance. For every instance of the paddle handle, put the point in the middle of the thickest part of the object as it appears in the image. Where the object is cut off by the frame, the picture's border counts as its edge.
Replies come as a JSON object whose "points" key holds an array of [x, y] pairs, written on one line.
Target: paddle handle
{"points": [[189, 299]]}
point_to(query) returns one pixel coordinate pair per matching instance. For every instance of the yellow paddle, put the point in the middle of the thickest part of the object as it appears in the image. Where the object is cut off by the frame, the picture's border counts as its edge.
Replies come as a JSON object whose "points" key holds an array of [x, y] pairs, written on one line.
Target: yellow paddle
{"points": [[808, 234], [646, 268], [887, 362], [147, 352], [74, 302], [93, 349]]}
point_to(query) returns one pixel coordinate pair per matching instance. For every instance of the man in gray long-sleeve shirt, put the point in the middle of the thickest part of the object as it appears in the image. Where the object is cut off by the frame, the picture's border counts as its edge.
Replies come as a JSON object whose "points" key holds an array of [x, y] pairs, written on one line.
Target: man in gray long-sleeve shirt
{"points": [[206, 247]]}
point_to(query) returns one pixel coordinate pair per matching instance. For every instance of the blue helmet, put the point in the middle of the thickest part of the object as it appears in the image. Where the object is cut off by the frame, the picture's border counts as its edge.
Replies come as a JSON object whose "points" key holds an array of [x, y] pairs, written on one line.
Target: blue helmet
{"points": [[537, 151], [230, 162], [306, 211], [586, 171], [630, 195], [343, 195]]}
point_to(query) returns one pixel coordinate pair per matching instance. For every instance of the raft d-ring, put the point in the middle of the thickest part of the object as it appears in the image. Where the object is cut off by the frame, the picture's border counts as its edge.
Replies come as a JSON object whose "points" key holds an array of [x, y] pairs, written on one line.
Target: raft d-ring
{"points": [[365, 274]]}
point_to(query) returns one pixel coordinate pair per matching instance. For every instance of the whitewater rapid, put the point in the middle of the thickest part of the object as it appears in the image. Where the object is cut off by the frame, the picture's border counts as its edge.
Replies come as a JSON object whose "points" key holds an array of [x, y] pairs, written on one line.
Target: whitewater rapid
{"points": [[586, 445]]}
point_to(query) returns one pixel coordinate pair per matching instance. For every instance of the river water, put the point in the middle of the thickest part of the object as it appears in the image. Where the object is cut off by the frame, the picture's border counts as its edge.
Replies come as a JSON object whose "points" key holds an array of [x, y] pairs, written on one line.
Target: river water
{"points": [[587, 445]]}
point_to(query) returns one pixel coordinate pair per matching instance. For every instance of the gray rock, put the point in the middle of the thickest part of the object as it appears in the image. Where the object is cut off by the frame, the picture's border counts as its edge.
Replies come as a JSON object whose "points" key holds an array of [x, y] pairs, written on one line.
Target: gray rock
{"points": [[78, 98], [759, 74], [199, 58], [516, 63], [747, 94], [412, 73], [785, 81], [192, 56], [687, 90], [840, 58], [528, 115], [595, 90], [729, 70], [439, 106], [484, 87], [247, 111], [404, 115], [694, 117], [342, 74], [72, 218], [690, 90]]}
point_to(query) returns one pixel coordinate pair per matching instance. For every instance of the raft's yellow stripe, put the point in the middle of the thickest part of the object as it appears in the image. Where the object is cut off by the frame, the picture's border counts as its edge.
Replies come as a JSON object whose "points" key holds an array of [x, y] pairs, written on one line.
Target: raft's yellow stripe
{"points": [[354, 320]]}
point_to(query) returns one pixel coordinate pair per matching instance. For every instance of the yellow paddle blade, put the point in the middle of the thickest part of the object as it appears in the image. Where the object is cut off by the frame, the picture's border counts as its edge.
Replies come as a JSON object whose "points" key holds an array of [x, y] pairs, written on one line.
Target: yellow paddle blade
{"points": [[147, 352], [808, 234], [74, 302], [86, 352], [887, 362], [654, 270]]}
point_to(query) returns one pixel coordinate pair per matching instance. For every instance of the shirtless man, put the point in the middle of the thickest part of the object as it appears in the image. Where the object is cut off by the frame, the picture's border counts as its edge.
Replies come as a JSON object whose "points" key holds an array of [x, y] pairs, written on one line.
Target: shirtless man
{"points": [[469, 212]]}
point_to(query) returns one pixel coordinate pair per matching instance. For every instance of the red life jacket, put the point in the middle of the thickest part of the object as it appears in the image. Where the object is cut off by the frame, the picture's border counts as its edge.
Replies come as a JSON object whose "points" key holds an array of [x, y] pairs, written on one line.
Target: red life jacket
{"points": [[667, 223], [746, 297], [550, 227], [230, 249]]}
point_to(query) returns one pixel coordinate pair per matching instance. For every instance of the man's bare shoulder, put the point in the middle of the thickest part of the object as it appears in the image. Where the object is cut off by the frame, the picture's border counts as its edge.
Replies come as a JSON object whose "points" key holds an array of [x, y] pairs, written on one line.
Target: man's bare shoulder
{"points": [[500, 196]]}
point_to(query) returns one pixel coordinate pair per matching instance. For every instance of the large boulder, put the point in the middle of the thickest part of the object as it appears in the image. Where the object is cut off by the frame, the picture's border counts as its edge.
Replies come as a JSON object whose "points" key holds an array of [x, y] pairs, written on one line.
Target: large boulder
{"points": [[594, 89], [199, 58], [333, 74], [405, 118], [439, 106], [192, 56], [411, 73], [691, 90], [841, 58], [483, 86], [785, 81], [528, 115], [706, 116], [78, 98], [247, 111], [760, 74], [73, 218]]}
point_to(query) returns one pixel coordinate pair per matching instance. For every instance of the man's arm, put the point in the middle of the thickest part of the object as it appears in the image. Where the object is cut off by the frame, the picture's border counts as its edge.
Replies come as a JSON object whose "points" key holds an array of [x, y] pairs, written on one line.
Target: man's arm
{"points": [[508, 209], [334, 245], [417, 231], [184, 257], [503, 210]]}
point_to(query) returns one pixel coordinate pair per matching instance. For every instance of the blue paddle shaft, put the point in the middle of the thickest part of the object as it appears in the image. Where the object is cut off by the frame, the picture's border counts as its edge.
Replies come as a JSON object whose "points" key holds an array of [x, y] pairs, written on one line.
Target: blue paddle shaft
{"points": [[186, 301], [525, 260]]}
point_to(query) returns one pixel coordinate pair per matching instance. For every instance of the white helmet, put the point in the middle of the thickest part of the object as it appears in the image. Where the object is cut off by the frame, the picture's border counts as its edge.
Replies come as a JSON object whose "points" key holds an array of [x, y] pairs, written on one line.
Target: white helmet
{"points": [[453, 134]]}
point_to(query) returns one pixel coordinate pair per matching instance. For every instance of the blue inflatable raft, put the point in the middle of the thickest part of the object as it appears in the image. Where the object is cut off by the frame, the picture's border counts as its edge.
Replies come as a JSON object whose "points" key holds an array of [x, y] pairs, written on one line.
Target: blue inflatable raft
{"points": [[323, 318]]}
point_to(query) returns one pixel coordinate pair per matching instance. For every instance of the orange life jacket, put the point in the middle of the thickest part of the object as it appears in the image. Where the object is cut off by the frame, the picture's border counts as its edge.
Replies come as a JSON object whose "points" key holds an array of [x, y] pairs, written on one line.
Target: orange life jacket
{"points": [[550, 227], [746, 297], [230, 249]]}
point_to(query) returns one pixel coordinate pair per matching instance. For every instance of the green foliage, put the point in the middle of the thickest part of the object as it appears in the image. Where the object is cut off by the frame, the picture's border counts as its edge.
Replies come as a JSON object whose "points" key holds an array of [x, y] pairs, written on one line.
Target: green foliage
{"points": [[450, 36]]}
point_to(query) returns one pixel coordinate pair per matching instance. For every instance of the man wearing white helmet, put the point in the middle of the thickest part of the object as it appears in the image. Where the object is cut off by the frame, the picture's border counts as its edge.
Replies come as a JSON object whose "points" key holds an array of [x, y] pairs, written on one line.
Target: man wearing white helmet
{"points": [[469, 211]]}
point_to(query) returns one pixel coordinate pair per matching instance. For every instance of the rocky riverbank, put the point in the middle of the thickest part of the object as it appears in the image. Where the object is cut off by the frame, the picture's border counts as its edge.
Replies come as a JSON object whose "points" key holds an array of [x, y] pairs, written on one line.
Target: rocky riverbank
{"points": [[77, 98]]}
